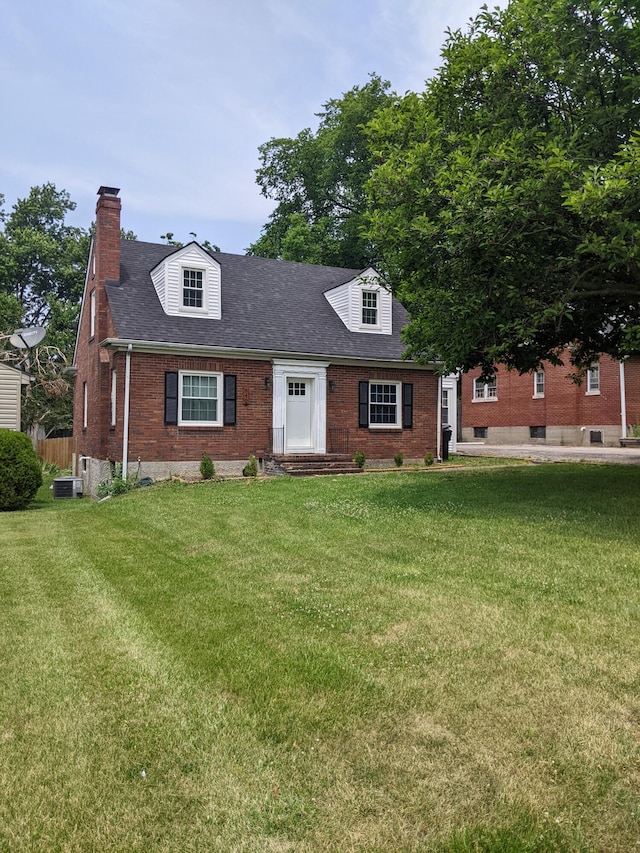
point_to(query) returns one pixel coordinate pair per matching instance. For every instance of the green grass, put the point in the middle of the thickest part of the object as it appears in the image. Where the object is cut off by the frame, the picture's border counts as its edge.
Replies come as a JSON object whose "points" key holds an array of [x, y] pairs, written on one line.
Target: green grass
{"points": [[424, 662]]}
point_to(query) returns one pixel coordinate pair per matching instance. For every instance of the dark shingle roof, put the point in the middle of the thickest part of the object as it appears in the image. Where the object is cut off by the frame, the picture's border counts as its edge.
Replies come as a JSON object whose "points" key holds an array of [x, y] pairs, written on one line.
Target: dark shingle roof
{"points": [[267, 305]]}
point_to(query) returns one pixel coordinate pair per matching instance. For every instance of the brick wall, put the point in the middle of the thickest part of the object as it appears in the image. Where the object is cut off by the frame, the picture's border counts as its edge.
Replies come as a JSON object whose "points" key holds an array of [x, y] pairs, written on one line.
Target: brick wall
{"points": [[564, 405], [152, 440]]}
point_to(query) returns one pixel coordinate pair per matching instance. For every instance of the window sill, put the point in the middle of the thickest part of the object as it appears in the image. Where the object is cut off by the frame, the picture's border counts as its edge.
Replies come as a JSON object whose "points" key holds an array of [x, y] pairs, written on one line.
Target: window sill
{"points": [[385, 427], [592, 393], [538, 397], [485, 400]]}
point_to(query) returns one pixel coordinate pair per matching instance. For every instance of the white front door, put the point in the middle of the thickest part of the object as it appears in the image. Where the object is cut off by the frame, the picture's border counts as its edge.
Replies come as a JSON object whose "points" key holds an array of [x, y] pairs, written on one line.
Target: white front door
{"points": [[299, 415]]}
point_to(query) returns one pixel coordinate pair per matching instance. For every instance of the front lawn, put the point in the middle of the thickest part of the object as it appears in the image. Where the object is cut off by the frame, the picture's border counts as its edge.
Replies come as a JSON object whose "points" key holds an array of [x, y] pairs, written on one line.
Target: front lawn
{"points": [[436, 661]]}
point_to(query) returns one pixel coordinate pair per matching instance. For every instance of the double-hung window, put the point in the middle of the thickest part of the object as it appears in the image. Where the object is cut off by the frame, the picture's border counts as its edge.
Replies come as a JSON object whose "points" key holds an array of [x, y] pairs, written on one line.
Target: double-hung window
{"points": [[369, 308], [199, 396], [538, 383], [485, 390], [593, 379], [384, 404], [192, 288]]}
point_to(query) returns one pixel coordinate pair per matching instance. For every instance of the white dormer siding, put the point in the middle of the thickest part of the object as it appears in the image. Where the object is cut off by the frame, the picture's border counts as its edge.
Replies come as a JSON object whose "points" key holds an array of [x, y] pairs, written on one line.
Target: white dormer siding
{"points": [[363, 304], [188, 283]]}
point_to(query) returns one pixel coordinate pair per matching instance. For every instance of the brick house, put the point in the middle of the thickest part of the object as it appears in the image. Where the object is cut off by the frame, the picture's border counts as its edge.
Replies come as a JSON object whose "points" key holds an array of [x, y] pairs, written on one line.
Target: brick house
{"points": [[182, 351], [548, 407]]}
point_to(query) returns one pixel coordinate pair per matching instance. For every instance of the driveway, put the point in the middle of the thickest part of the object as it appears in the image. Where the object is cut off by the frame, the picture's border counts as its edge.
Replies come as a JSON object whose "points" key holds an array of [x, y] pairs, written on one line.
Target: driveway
{"points": [[552, 453]]}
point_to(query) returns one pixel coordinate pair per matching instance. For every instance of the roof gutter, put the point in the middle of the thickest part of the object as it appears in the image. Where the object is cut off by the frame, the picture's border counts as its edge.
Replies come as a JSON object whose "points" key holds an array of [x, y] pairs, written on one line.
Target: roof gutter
{"points": [[160, 347]]}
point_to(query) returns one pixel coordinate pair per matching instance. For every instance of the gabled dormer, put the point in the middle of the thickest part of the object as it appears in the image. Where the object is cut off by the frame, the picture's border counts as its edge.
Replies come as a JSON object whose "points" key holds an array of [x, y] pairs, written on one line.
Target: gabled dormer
{"points": [[188, 283], [363, 304]]}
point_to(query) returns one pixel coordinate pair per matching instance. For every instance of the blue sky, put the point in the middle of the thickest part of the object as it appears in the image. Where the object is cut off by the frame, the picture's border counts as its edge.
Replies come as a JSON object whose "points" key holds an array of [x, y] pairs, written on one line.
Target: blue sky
{"points": [[170, 99]]}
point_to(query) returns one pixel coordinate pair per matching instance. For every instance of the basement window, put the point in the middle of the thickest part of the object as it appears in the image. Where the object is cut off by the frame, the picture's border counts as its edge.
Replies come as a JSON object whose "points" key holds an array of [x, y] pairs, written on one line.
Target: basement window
{"points": [[537, 432], [480, 432]]}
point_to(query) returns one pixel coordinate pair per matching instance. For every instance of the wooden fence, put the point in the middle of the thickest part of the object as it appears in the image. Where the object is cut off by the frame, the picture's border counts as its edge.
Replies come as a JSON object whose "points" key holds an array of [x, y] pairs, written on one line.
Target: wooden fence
{"points": [[56, 451]]}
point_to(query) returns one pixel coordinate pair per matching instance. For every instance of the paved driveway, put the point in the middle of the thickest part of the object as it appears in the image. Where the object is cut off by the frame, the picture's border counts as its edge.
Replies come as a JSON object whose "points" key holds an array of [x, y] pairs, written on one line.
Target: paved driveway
{"points": [[553, 453]]}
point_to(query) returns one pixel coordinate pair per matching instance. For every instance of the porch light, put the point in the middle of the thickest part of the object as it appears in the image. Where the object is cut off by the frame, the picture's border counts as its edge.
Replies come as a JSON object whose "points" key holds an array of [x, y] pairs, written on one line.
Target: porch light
{"points": [[267, 382], [332, 385]]}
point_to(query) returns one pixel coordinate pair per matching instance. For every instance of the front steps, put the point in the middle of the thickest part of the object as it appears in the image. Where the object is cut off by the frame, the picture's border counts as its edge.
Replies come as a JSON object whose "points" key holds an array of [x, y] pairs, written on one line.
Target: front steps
{"points": [[313, 464]]}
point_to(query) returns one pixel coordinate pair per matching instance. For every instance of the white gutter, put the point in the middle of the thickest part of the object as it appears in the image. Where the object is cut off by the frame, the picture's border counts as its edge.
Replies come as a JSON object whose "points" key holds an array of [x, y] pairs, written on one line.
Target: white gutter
{"points": [[623, 402], [125, 424], [439, 421]]}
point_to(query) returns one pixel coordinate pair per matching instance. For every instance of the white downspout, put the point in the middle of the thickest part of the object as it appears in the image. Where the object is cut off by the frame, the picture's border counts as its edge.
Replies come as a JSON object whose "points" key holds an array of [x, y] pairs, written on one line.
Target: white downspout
{"points": [[623, 402], [439, 421], [125, 423]]}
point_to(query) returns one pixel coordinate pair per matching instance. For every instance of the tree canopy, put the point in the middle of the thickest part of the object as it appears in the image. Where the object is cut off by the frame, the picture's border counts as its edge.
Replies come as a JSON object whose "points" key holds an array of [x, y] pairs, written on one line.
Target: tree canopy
{"points": [[505, 206], [318, 179], [42, 267]]}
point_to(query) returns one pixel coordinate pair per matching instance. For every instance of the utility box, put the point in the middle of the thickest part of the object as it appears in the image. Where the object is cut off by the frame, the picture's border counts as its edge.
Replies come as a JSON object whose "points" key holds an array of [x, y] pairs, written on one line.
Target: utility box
{"points": [[67, 487]]}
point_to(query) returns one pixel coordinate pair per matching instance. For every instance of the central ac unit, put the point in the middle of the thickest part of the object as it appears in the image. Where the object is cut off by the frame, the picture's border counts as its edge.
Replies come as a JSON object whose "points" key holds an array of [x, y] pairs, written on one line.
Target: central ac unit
{"points": [[67, 487]]}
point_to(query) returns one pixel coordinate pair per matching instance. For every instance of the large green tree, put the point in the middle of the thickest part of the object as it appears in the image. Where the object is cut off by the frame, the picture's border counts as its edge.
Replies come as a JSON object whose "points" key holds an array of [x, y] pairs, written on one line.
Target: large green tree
{"points": [[42, 264], [317, 180], [505, 204]]}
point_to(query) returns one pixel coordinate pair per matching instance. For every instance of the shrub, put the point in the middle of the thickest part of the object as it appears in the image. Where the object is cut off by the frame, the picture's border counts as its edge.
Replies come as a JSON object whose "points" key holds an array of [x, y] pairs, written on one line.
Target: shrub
{"points": [[428, 459], [207, 468], [20, 470], [398, 459], [359, 458], [251, 468]]}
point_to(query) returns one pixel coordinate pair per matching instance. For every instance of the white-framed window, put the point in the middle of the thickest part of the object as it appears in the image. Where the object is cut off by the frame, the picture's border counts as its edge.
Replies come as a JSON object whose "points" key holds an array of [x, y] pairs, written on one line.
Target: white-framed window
{"points": [[92, 314], [485, 390], [538, 383], [199, 399], [384, 404], [114, 386], [85, 405], [369, 308], [593, 379], [193, 288]]}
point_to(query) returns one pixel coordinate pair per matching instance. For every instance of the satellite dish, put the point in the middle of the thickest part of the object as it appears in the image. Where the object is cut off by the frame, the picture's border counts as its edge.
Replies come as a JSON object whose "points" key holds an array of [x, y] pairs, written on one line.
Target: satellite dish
{"points": [[27, 338]]}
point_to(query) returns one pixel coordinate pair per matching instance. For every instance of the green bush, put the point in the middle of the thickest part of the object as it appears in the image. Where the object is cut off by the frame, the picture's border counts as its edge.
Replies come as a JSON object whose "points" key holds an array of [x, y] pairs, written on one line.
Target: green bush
{"points": [[398, 459], [207, 468], [20, 470], [251, 468], [428, 459], [359, 458]]}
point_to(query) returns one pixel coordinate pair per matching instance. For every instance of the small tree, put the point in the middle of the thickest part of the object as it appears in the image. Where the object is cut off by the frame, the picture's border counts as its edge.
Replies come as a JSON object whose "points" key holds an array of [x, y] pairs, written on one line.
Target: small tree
{"points": [[207, 468], [20, 471]]}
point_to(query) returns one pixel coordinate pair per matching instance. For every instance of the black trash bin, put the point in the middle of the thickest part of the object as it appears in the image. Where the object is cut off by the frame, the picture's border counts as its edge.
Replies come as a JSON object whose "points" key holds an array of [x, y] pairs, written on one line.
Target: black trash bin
{"points": [[446, 438]]}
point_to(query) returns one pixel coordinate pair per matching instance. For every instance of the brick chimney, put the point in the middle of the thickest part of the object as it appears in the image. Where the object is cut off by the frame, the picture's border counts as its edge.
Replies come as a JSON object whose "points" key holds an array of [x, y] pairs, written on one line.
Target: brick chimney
{"points": [[107, 238]]}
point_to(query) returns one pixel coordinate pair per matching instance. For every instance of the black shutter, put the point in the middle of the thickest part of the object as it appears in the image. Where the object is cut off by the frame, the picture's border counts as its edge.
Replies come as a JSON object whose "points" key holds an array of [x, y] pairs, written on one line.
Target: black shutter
{"points": [[171, 397], [229, 400], [407, 405], [363, 404]]}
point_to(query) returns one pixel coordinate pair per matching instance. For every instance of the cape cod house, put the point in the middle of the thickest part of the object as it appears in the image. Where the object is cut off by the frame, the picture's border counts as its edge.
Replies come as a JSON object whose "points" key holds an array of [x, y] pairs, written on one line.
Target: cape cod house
{"points": [[184, 351]]}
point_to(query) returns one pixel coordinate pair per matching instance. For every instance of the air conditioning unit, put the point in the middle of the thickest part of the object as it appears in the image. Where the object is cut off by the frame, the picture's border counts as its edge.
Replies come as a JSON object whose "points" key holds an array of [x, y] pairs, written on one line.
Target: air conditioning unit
{"points": [[67, 487]]}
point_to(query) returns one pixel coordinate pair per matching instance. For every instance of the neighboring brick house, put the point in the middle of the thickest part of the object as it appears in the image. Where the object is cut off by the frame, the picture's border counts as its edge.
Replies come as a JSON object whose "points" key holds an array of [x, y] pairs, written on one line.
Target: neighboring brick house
{"points": [[548, 407], [182, 351]]}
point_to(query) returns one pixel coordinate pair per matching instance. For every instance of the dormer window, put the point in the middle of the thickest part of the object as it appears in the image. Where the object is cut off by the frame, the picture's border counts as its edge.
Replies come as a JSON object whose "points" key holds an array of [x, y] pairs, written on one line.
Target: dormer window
{"points": [[189, 283], [369, 308], [363, 304], [192, 288]]}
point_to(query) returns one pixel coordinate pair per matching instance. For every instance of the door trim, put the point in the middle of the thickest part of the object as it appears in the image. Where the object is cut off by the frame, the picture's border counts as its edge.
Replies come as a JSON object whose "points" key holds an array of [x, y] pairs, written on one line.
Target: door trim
{"points": [[283, 371]]}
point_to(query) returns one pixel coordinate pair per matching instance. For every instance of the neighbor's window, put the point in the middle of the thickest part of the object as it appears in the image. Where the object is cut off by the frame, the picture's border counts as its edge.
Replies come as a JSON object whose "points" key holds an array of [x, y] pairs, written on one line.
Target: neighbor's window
{"points": [[384, 409], [538, 383], [593, 379], [537, 432], [369, 308], [480, 432], [485, 390], [199, 399], [192, 288]]}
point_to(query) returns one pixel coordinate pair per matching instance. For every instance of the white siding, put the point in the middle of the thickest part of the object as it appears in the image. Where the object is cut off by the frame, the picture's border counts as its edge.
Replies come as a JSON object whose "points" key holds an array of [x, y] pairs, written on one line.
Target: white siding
{"points": [[10, 382]]}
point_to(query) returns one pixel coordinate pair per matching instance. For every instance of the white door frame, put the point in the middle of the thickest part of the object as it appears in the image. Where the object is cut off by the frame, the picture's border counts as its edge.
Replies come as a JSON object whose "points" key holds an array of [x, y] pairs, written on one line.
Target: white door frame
{"points": [[290, 369]]}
